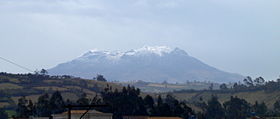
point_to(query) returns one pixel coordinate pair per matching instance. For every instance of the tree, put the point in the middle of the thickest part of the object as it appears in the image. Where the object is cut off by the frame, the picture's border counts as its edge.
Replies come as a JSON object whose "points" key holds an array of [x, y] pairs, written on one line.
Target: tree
{"points": [[248, 81], [3, 114], [159, 100], [126, 102], [22, 110], [223, 86], [43, 108], [278, 79], [259, 109], [83, 100], [25, 108], [100, 78], [149, 104], [237, 108], [211, 86], [259, 81], [69, 102], [159, 105], [277, 106], [214, 109], [43, 72], [31, 108], [172, 107], [163, 110], [57, 103], [235, 86]]}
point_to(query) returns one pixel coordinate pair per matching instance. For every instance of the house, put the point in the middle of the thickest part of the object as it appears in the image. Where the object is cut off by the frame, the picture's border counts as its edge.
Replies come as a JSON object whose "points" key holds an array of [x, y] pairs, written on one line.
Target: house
{"points": [[76, 114], [39, 117], [148, 117]]}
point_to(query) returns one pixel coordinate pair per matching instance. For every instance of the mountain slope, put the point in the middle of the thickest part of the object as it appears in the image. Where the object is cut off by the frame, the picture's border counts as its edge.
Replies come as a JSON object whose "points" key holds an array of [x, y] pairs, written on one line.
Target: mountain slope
{"points": [[152, 64]]}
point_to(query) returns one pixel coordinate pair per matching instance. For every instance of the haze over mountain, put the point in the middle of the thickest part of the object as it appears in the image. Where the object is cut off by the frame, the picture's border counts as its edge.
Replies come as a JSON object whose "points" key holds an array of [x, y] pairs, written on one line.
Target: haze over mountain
{"points": [[151, 64]]}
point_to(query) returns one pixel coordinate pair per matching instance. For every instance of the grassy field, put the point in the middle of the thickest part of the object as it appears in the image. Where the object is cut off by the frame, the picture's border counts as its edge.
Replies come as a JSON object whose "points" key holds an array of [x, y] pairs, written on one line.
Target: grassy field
{"points": [[169, 87], [5, 86], [10, 113]]}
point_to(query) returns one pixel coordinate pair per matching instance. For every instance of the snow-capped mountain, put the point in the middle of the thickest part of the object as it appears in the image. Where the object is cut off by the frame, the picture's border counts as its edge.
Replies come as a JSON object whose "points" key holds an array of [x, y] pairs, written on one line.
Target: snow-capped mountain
{"points": [[152, 64]]}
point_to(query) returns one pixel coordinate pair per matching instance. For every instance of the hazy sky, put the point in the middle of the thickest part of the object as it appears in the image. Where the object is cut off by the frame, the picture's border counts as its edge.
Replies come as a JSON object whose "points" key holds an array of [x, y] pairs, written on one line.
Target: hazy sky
{"points": [[240, 36]]}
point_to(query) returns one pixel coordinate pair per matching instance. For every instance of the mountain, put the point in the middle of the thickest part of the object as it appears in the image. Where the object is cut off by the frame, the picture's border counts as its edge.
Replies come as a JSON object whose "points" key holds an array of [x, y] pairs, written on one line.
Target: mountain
{"points": [[151, 64]]}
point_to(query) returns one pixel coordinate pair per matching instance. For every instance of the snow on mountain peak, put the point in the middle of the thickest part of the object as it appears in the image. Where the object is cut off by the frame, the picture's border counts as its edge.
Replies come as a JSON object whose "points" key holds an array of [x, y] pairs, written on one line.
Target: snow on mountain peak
{"points": [[159, 50], [146, 50]]}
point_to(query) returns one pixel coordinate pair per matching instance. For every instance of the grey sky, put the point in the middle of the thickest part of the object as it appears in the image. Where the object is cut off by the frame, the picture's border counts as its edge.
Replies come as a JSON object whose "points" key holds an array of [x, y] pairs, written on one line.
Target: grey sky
{"points": [[240, 36]]}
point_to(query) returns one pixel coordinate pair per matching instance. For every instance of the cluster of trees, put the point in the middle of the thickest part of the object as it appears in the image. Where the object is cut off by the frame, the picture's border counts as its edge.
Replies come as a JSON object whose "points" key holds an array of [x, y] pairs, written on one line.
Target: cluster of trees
{"points": [[250, 84], [45, 106], [125, 102], [3, 114], [235, 108], [129, 102], [100, 78]]}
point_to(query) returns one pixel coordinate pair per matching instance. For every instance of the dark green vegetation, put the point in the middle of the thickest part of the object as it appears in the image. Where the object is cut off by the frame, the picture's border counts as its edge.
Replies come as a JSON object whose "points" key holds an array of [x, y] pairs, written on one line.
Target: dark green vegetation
{"points": [[41, 95], [3, 114], [14, 86], [48, 104], [254, 96], [235, 108], [129, 102], [125, 102]]}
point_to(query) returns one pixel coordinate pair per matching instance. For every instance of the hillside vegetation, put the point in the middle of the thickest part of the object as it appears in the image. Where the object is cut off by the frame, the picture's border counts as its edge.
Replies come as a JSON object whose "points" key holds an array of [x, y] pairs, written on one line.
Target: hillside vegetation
{"points": [[151, 87], [251, 90], [269, 98], [14, 86], [19, 94]]}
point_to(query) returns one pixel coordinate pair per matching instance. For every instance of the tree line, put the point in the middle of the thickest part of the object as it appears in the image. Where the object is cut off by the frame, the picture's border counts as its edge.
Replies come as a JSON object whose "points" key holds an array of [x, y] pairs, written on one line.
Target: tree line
{"points": [[127, 101], [235, 108], [250, 84]]}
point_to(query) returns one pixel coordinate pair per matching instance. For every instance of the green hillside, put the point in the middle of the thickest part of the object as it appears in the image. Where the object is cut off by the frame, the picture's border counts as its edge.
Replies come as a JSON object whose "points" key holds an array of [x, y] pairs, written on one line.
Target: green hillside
{"points": [[14, 86], [269, 98]]}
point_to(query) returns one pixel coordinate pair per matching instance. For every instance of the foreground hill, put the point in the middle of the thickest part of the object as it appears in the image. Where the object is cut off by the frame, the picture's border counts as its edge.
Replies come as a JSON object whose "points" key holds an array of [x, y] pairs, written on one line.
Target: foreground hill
{"points": [[14, 86], [150, 64]]}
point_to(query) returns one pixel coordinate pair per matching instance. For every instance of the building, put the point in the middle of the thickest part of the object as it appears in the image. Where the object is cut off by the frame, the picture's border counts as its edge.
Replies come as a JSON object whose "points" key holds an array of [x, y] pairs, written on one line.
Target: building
{"points": [[148, 117], [76, 114]]}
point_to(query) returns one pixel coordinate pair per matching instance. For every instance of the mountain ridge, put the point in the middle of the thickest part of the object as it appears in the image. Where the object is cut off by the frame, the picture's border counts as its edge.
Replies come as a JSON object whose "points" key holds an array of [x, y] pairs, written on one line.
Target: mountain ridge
{"points": [[153, 64]]}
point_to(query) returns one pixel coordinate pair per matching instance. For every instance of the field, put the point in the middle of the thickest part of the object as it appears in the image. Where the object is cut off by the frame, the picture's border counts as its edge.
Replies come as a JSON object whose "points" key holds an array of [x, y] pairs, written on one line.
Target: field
{"points": [[169, 87]]}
